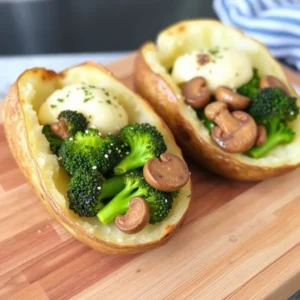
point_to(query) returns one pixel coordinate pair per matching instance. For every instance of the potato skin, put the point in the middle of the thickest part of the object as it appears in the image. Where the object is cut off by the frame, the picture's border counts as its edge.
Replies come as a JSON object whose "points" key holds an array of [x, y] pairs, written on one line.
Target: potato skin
{"points": [[155, 89], [18, 140]]}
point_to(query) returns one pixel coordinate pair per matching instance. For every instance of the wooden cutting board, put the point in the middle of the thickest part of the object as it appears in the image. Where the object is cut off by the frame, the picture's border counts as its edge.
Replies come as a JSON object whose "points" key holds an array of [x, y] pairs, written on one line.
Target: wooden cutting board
{"points": [[239, 241]]}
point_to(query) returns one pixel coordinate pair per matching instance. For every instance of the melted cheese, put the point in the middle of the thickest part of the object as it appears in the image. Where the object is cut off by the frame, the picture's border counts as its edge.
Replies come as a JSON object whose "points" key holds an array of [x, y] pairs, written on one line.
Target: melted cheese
{"points": [[101, 109], [219, 66]]}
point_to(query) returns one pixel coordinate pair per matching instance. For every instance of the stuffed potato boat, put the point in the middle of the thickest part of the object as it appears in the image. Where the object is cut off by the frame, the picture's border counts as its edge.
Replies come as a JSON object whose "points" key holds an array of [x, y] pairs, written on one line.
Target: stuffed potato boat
{"points": [[50, 181], [162, 72]]}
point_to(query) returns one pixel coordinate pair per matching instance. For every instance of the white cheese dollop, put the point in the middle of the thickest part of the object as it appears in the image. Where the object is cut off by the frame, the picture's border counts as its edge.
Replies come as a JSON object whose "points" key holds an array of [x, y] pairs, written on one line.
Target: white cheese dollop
{"points": [[219, 66], [101, 109]]}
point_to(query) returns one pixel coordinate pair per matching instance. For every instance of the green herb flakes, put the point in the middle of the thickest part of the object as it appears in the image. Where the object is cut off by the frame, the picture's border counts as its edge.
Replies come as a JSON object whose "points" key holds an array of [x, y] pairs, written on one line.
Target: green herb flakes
{"points": [[87, 99], [214, 51]]}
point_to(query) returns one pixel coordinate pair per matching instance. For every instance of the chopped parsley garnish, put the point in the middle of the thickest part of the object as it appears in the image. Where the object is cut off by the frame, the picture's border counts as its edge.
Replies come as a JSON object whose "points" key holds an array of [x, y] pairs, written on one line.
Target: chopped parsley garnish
{"points": [[60, 99], [213, 51], [53, 106], [108, 101]]}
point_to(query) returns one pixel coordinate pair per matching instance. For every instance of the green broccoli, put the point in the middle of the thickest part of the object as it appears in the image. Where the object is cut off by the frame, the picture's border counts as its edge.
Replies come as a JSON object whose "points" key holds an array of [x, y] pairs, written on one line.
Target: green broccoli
{"points": [[88, 150], [145, 142], [160, 203], [209, 124], [75, 121], [54, 141], [251, 88], [272, 108], [87, 189]]}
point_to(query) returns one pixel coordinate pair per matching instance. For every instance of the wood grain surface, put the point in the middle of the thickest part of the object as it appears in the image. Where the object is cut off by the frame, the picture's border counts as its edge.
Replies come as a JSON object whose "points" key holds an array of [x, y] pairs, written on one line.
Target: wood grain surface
{"points": [[239, 241]]}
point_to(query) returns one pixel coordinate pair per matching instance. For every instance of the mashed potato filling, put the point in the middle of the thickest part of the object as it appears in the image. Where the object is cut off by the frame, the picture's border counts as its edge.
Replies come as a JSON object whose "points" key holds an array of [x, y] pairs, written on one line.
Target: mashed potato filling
{"points": [[101, 109], [219, 66]]}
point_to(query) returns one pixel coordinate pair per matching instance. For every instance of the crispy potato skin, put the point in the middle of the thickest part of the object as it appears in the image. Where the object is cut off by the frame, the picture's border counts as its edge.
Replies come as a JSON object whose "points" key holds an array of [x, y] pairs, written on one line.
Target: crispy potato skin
{"points": [[161, 96], [17, 137]]}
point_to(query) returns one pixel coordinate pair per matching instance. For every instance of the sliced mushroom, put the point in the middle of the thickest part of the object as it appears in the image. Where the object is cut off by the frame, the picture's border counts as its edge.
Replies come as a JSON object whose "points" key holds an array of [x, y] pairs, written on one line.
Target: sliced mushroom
{"points": [[235, 132], [60, 129], [261, 135], [136, 218], [234, 100], [272, 81], [168, 174], [196, 93]]}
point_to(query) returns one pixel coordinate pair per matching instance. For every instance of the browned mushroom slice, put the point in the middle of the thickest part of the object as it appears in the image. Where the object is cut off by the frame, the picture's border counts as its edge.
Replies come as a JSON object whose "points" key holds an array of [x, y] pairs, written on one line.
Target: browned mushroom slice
{"points": [[261, 135], [136, 218], [272, 81], [234, 100], [168, 174], [234, 132], [196, 93], [60, 129]]}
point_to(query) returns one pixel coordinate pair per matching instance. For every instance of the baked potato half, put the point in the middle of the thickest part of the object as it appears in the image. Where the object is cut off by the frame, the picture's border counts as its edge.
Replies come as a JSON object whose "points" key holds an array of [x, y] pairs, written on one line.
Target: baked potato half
{"points": [[49, 180], [154, 82]]}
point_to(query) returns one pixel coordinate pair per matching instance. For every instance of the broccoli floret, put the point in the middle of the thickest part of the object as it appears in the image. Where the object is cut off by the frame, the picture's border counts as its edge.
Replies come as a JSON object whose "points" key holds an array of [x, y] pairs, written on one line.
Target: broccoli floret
{"points": [[54, 141], [276, 135], [272, 104], [88, 150], [175, 194], [251, 88], [75, 121], [160, 203], [145, 142], [87, 189], [209, 124], [273, 108]]}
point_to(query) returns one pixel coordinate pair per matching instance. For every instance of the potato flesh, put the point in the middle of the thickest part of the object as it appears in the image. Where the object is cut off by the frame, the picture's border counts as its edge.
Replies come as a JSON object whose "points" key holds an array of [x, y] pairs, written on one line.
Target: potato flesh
{"points": [[33, 91], [173, 42]]}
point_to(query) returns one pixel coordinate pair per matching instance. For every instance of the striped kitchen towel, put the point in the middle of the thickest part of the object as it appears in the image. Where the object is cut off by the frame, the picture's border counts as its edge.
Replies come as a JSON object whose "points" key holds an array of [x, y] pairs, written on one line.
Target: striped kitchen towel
{"points": [[275, 23]]}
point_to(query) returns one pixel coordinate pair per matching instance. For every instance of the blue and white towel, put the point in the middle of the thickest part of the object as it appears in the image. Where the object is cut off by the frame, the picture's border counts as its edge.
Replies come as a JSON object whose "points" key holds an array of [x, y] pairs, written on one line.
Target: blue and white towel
{"points": [[275, 23]]}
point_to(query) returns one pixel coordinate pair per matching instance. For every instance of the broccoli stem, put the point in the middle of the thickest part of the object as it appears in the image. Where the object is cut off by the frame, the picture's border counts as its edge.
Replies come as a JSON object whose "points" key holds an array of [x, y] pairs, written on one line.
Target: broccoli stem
{"points": [[133, 161], [209, 124], [117, 206], [271, 142], [112, 186]]}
